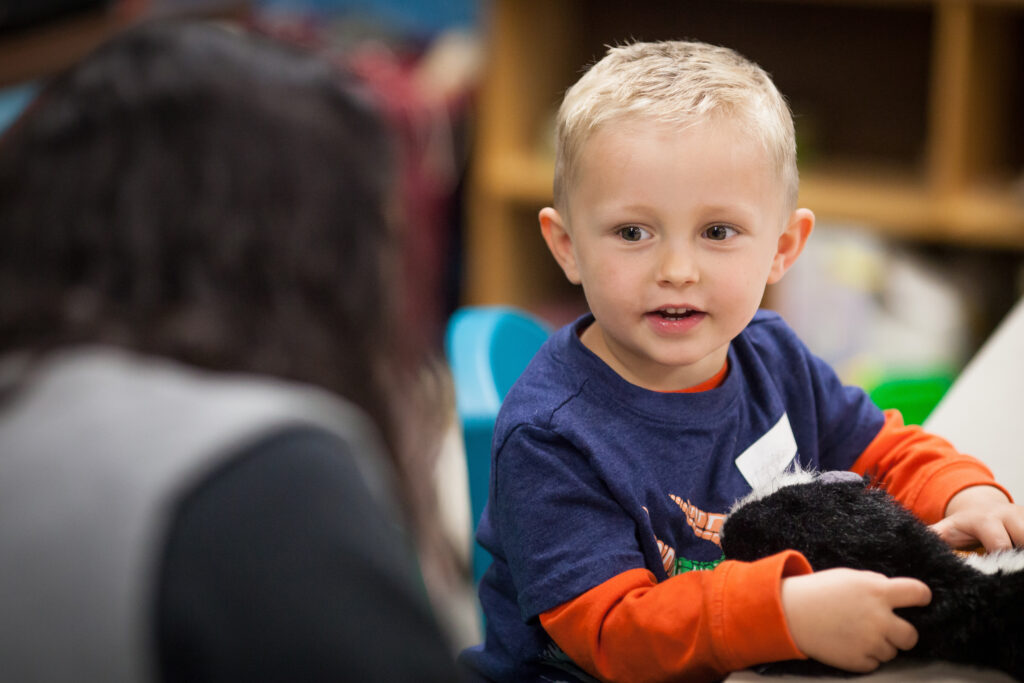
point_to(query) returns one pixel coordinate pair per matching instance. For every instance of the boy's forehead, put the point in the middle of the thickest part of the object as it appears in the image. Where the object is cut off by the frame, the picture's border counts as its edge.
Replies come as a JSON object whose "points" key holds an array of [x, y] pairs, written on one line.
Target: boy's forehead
{"points": [[615, 150], [619, 138]]}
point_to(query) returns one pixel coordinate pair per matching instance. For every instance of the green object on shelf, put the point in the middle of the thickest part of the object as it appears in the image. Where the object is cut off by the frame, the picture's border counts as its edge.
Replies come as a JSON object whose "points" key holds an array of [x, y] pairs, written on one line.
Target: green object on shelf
{"points": [[915, 396]]}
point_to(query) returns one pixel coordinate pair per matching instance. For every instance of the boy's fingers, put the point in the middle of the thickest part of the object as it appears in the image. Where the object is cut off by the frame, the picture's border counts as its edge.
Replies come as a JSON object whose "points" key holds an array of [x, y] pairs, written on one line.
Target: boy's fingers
{"points": [[992, 534], [862, 665], [907, 592], [1015, 527], [902, 634], [884, 652], [954, 537]]}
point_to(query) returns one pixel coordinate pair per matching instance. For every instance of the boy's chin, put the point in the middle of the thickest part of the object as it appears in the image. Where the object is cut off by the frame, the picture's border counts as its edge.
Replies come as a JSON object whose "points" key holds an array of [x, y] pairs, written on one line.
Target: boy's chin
{"points": [[677, 373]]}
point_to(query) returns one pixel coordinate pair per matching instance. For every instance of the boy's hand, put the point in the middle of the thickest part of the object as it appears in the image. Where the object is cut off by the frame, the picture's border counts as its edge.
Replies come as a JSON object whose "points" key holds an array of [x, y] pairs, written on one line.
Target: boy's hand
{"points": [[982, 514], [844, 617]]}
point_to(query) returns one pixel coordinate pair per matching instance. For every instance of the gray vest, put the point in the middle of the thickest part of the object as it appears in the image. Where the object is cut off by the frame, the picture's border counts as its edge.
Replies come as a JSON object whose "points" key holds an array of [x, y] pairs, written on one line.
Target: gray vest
{"points": [[95, 450]]}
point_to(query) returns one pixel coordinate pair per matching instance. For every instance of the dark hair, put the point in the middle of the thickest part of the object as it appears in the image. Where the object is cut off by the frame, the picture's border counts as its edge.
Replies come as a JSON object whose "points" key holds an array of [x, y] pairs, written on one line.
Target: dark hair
{"points": [[202, 194]]}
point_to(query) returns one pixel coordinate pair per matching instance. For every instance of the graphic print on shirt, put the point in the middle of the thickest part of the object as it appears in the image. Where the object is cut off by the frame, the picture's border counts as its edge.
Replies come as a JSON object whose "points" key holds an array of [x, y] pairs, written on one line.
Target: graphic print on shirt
{"points": [[668, 553], [705, 525], [760, 464]]}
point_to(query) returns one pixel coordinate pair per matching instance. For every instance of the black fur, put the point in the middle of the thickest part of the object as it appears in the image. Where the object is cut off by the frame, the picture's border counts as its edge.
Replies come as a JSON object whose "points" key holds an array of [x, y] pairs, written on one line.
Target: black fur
{"points": [[973, 618]]}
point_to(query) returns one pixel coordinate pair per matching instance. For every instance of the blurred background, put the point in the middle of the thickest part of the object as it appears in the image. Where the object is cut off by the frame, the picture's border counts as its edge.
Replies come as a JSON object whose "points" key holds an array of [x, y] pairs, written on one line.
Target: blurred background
{"points": [[909, 118]]}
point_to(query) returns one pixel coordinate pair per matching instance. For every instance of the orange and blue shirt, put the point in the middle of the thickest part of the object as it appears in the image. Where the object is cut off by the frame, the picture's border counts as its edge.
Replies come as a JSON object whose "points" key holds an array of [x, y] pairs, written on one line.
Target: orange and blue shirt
{"points": [[606, 500]]}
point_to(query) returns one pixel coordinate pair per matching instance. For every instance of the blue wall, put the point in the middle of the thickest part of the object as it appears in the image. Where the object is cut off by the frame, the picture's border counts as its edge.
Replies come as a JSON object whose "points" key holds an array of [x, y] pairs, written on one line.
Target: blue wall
{"points": [[417, 16]]}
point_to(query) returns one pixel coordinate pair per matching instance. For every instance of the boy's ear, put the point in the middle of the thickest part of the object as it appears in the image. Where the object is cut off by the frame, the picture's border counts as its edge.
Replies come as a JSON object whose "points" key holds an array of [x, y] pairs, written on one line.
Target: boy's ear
{"points": [[559, 241], [791, 243]]}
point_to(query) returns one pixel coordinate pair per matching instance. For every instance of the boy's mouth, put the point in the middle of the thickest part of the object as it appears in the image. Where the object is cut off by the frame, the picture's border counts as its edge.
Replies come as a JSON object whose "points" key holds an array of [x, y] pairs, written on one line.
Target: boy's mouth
{"points": [[676, 313]]}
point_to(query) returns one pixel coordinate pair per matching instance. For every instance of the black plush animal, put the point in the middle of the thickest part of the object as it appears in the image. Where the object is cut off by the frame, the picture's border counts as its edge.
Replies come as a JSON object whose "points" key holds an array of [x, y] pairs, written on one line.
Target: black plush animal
{"points": [[838, 519]]}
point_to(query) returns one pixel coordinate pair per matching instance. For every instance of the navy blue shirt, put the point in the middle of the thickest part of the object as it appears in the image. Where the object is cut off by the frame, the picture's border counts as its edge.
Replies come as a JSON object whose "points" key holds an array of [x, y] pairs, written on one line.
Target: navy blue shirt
{"points": [[592, 476]]}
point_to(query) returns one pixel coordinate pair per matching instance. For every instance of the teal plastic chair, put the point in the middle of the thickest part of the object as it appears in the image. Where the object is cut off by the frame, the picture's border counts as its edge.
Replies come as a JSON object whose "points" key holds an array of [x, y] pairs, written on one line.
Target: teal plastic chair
{"points": [[488, 347], [13, 101]]}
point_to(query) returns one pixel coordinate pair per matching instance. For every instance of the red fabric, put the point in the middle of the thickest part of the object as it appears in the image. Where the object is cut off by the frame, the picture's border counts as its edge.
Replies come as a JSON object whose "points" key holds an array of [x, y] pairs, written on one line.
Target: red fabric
{"points": [[427, 179], [707, 385], [697, 626], [426, 127], [921, 470]]}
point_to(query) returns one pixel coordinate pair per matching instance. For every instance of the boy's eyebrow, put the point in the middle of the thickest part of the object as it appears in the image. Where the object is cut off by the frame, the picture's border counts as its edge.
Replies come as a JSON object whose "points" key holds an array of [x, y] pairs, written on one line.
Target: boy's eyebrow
{"points": [[737, 211], [634, 208], [640, 213], [738, 207]]}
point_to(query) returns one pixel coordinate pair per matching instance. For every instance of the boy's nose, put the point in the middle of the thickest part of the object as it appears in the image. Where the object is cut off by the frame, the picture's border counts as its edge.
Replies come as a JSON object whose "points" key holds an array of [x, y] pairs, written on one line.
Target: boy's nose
{"points": [[677, 266]]}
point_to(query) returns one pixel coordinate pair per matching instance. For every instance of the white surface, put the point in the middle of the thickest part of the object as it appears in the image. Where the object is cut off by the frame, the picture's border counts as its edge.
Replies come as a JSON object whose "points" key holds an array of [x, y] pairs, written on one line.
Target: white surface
{"points": [[982, 412], [457, 609]]}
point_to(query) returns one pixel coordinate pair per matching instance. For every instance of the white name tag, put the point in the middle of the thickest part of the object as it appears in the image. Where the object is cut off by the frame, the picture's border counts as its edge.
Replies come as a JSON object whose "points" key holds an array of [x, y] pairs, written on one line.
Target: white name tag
{"points": [[769, 456]]}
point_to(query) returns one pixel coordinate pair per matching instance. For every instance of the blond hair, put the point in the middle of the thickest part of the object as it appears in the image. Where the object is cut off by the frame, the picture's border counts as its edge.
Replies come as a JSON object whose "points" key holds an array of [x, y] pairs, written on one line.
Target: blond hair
{"points": [[680, 83]]}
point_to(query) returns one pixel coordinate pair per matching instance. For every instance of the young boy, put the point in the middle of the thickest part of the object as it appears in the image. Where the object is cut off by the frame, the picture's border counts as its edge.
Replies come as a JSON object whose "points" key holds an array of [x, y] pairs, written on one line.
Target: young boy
{"points": [[634, 429]]}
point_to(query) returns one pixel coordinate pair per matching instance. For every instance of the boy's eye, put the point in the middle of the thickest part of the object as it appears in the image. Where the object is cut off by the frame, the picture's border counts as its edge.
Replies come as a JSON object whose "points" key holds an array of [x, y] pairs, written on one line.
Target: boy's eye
{"points": [[633, 233], [719, 232]]}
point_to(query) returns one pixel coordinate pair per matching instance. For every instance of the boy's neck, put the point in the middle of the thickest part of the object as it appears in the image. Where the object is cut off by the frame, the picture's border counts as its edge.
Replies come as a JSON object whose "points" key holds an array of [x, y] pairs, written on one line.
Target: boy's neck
{"points": [[686, 380]]}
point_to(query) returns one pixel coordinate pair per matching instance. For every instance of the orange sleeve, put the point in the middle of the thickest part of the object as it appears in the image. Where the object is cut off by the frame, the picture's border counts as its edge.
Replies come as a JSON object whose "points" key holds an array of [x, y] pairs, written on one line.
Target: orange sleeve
{"points": [[921, 470], [699, 625]]}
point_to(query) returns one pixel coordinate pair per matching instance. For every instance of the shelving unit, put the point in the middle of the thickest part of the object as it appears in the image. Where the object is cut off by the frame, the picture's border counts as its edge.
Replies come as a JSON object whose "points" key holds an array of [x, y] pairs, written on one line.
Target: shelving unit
{"points": [[909, 116]]}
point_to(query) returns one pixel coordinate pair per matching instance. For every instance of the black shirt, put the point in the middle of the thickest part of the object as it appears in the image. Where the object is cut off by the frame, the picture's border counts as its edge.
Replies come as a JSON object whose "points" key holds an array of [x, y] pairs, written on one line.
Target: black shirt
{"points": [[281, 566]]}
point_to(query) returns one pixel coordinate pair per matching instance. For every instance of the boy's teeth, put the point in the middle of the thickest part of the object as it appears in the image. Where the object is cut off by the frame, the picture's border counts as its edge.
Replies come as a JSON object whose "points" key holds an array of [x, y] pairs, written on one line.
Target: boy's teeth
{"points": [[674, 313]]}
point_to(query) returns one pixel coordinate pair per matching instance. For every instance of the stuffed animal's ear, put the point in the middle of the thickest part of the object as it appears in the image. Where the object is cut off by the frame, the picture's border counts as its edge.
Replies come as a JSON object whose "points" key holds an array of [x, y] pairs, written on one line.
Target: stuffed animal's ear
{"points": [[794, 475], [790, 477], [839, 477]]}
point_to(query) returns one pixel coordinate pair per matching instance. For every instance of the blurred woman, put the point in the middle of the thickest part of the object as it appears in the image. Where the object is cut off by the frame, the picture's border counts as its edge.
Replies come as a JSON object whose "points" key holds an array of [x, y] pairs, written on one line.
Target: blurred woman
{"points": [[199, 464]]}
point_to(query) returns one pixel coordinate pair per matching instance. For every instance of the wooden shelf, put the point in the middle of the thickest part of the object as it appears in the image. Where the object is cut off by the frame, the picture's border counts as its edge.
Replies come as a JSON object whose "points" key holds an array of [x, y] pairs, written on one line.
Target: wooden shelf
{"points": [[904, 206], [894, 200], [518, 177], [908, 114], [985, 216]]}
